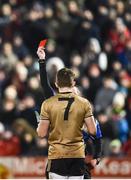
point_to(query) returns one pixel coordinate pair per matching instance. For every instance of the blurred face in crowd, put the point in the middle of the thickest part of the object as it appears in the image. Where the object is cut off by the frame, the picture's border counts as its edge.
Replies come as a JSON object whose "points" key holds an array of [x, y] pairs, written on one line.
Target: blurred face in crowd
{"points": [[108, 47], [49, 12], [112, 14], [108, 82], [9, 105], [34, 83], [120, 7], [103, 10], [120, 26], [103, 118], [115, 147], [51, 47], [118, 101], [76, 60], [125, 80], [13, 2], [18, 41], [73, 7], [127, 16], [116, 66], [86, 25], [85, 82], [112, 2], [94, 71], [10, 92], [88, 15], [37, 12], [21, 71], [29, 102], [28, 138], [28, 61], [6, 10], [10, 98], [7, 49]]}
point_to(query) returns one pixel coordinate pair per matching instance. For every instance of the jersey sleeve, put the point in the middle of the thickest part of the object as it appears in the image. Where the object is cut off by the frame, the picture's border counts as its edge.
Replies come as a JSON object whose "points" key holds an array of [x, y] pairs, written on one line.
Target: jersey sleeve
{"points": [[48, 91], [88, 109], [44, 114]]}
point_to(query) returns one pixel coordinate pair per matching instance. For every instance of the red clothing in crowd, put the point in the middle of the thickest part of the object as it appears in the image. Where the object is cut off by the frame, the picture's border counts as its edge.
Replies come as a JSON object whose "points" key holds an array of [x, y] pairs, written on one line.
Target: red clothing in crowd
{"points": [[119, 40], [10, 147], [127, 147]]}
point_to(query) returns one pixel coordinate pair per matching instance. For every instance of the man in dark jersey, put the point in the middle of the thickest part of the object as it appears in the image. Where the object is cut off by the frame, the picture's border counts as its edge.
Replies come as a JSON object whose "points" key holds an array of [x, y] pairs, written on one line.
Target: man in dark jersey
{"points": [[48, 92]]}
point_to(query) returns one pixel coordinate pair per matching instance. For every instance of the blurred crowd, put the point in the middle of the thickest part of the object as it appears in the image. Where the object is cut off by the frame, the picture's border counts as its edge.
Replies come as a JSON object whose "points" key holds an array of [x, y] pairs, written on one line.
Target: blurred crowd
{"points": [[91, 37]]}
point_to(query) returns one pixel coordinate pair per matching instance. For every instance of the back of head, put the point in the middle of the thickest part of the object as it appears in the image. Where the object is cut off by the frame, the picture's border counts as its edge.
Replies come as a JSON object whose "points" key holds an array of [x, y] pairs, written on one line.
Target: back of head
{"points": [[65, 78]]}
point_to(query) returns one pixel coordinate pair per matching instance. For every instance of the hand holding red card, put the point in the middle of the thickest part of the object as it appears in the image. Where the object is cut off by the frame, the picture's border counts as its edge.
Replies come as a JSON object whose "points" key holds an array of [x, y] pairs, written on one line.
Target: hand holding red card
{"points": [[42, 43]]}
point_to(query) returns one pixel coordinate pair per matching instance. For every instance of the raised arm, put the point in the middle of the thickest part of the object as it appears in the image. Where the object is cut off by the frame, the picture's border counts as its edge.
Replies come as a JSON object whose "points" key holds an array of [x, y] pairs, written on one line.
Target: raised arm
{"points": [[48, 91]]}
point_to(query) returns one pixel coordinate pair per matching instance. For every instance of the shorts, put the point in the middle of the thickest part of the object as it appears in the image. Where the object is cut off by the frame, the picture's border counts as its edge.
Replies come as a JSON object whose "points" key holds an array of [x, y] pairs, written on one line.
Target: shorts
{"points": [[67, 166]]}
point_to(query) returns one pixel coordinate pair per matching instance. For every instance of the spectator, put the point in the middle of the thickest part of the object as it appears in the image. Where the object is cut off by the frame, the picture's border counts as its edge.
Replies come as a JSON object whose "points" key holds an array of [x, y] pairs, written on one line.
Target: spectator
{"points": [[115, 148], [9, 144], [109, 130], [95, 78], [19, 48], [8, 58], [119, 115], [120, 36], [26, 134], [107, 91]]}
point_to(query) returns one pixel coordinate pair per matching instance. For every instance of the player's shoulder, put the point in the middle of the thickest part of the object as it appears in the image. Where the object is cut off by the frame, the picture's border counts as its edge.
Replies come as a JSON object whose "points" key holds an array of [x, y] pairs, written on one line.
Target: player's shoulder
{"points": [[52, 98], [82, 99]]}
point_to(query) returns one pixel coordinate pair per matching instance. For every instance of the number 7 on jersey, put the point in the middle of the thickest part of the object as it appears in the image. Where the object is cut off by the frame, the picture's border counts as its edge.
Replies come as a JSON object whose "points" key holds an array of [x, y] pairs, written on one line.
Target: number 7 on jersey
{"points": [[67, 109]]}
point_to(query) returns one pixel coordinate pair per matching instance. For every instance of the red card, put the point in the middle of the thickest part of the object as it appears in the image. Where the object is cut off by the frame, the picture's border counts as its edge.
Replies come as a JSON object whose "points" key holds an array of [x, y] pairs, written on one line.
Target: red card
{"points": [[43, 43]]}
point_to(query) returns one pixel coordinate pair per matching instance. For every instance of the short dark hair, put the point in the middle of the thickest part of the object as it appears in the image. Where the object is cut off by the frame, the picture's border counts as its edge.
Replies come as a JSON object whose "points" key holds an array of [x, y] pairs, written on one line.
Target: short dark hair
{"points": [[65, 77]]}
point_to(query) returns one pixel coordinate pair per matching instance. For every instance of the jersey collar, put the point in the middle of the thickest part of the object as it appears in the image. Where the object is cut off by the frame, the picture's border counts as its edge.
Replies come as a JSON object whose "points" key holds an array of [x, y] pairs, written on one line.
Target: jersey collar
{"points": [[64, 92]]}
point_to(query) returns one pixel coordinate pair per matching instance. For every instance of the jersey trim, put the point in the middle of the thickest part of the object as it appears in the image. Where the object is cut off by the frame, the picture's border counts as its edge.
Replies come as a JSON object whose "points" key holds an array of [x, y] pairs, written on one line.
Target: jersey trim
{"points": [[44, 119], [89, 116]]}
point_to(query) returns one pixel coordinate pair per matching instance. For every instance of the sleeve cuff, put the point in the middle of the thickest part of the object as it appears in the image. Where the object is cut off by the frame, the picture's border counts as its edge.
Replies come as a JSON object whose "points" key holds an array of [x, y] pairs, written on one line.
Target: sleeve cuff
{"points": [[41, 61]]}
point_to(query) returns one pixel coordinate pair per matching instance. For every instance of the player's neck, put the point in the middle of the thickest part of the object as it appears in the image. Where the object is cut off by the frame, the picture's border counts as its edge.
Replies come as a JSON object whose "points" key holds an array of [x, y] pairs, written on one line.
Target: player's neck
{"points": [[65, 89]]}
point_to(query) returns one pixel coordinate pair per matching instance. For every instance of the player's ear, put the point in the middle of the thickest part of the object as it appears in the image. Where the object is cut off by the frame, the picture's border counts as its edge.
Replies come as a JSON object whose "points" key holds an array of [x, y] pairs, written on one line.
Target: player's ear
{"points": [[74, 83], [56, 85]]}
